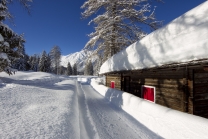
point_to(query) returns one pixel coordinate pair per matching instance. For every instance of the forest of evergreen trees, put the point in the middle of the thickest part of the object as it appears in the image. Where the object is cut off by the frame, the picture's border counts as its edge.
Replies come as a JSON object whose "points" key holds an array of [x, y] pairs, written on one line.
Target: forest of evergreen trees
{"points": [[46, 62]]}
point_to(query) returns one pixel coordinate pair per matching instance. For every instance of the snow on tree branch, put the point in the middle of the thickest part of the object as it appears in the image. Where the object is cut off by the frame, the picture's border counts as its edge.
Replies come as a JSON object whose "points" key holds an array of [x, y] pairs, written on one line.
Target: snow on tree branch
{"points": [[118, 23]]}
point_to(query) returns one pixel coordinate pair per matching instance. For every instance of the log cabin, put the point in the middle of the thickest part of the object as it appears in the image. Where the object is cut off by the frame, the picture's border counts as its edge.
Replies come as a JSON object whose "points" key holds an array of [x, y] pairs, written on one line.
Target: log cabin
{"points": [[169, 66]]}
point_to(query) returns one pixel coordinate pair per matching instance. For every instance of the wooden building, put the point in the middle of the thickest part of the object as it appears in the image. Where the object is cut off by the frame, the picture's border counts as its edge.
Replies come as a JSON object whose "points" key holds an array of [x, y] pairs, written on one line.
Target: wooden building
{"points": [[173, 78], [181, 87]]}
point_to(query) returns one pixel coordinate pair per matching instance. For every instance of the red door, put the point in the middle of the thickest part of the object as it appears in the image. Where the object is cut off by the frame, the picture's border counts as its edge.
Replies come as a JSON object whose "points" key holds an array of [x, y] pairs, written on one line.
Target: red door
{"points": [[148, 93], [112, 84]]}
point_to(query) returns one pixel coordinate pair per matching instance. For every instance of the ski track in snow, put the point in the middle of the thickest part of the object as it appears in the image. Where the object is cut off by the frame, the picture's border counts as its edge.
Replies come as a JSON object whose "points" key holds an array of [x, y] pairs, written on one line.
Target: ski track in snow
{"points": [[110, 122], [59, 107]]}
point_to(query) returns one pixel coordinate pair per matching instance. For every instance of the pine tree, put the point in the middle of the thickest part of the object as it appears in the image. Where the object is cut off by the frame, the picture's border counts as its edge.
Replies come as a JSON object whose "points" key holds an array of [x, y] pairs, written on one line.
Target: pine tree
{"points": [[69, 69], [74, 69], [55, 55], [21, 63], [34, 62], [121, 23], [88, 68], [11, 43], [98, 64], [43, 62], [48, 63], [30, 61], [62, 70]]}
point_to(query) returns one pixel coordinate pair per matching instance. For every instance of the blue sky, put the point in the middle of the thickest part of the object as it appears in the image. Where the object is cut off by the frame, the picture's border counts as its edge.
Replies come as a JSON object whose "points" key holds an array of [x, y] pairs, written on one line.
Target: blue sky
{"points": [[54, 22]]}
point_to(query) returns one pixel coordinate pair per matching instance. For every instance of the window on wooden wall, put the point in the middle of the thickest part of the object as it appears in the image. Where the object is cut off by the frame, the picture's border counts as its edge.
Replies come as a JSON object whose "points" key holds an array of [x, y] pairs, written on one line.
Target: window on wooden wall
{"points": [[148, 93], [112, 85]]}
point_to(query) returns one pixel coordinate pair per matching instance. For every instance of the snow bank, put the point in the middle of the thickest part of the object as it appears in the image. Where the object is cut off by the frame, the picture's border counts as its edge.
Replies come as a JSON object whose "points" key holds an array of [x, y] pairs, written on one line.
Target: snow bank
{"points": [[82, 79], [182, 40], [165, 122]]}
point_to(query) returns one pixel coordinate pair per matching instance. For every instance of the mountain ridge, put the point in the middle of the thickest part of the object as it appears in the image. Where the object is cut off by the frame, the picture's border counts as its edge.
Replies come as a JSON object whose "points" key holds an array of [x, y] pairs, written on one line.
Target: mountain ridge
{"points": [[80, 58]]}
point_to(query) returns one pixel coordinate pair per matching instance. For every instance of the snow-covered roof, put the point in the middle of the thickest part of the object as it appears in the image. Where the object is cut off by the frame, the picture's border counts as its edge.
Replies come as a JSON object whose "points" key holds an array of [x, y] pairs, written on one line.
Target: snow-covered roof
{"points": [[182, 40]]}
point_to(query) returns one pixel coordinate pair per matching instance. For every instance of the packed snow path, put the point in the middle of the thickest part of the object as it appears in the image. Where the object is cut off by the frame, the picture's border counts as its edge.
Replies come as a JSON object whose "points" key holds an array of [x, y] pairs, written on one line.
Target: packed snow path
{"points": [[103, 120], [41, 105]]}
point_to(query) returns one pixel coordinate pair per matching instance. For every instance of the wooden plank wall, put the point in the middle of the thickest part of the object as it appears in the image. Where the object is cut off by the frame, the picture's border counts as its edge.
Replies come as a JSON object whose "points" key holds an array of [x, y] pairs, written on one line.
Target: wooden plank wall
{"points": [[116, 78], [170, 86], [190, 91], [200, 93], [185, 90]]}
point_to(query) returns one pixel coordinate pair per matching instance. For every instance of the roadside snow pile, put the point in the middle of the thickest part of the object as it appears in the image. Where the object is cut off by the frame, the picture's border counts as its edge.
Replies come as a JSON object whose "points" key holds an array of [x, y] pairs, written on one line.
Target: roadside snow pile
{"points": [[167, 123], [182, 40]]}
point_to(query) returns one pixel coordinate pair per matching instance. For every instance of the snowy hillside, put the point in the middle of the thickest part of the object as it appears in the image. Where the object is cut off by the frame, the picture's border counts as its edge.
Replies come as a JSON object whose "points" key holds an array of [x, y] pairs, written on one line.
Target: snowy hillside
{"points": [[78, 57]]}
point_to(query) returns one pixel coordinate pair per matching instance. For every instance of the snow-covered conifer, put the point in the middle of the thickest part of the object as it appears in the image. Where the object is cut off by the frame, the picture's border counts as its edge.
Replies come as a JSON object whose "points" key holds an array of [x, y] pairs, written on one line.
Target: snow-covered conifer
{"points": [[11, 43], [30, 62], [120, 23], [43, 62], [48, 63], [55, 55], [21, 63], [34, 62], [69, 69], [62, 70], [88, 68], [74, 69]]}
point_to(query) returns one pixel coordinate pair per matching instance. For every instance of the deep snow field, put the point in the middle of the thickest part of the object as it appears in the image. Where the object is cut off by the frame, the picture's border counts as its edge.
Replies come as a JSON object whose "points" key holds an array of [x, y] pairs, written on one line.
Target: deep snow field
{"points": [[43, 105]]}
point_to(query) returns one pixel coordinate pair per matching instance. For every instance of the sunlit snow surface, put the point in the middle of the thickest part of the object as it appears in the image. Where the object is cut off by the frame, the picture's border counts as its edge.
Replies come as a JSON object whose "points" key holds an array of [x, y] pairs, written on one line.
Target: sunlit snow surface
{"points": [[37, 105], [43, 105], [166, 122], [182, 40]]}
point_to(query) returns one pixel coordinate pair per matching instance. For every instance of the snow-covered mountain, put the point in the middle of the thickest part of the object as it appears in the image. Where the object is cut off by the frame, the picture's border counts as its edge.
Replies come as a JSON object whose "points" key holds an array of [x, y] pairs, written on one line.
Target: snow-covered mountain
{"points": [[78, 57]]}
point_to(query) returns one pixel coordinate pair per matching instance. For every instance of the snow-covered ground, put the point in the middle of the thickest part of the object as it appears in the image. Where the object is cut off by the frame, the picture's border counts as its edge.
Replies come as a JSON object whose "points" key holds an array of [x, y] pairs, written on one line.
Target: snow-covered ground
{"points": [[43, 105], [166, 122], [37, 105]]}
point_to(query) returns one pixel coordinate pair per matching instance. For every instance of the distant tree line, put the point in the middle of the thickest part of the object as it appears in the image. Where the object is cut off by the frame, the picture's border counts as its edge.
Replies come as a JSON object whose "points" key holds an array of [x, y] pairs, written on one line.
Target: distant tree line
{"points": [[45, 63]]}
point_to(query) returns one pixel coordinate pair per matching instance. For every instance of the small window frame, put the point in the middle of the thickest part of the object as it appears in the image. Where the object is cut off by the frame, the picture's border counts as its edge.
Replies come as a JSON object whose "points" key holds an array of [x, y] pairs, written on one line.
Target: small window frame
{"points": [[114, 84], [142, 93]]}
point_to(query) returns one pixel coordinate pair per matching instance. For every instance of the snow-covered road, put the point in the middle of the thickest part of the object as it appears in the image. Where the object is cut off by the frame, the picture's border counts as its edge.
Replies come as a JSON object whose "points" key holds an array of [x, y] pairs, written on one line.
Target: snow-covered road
{"points": [[104, 120], [41, 105]]}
